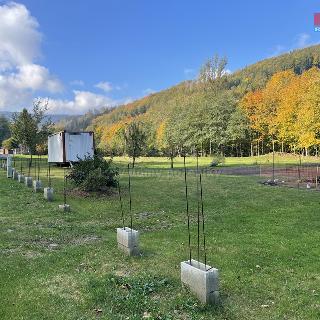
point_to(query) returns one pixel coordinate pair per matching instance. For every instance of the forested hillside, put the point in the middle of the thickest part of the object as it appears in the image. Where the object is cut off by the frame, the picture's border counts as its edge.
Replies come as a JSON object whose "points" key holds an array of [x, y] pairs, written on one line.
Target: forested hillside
{"points": [[273, 102]]}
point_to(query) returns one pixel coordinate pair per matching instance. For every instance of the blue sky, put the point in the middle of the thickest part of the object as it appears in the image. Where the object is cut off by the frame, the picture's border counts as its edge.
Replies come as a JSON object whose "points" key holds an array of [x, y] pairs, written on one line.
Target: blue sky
{"points": [[84, 54]]}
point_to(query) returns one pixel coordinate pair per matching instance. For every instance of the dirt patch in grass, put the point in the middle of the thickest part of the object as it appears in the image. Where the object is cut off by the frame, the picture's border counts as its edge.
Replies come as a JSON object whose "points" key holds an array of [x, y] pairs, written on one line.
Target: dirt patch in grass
{"points": [[64, 286], [77, 193], [31, 254], [9, 251], [85, 240]]}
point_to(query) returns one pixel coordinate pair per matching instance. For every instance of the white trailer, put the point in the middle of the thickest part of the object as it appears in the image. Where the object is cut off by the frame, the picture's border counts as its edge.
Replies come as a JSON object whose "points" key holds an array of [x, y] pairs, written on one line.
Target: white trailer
{"points": [[66, 147]]}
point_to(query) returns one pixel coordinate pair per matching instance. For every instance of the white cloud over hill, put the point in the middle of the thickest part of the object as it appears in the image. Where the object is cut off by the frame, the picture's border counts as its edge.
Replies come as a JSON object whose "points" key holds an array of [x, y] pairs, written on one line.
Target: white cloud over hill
{"points": [[20, 42], [82, 102], [22, 78]]}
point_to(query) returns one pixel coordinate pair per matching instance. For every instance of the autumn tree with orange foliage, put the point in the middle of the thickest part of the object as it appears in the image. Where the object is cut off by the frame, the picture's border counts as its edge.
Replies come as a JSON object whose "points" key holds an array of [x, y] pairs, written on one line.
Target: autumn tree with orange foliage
{"points": [[287, 109]]}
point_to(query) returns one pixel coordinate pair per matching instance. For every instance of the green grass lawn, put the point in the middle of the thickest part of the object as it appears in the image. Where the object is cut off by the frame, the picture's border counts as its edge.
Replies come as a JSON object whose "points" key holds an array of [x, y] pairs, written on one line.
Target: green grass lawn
{"points": [[55, 265], [204, 162]]}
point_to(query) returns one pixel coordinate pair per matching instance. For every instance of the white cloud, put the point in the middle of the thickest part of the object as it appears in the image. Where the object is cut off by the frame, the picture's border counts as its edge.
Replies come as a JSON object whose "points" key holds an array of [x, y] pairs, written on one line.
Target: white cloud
{"points": [[83, 101], [278, 50], [303, 40], [34, 77], [226, 71], [105, 86], [78, 83], [188, 71], [20, 41], [19, 36], [11, 98], [148, 91], [300, 41], [126, 101]]}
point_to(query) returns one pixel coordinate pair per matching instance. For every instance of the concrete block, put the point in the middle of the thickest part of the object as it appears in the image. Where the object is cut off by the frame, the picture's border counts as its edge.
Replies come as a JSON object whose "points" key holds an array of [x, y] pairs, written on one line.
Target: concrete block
{"points": [[48, 194], [21, 178], [202, 280], [37, 185], [9, 172], [128, 240], [15, 174], [64, 207], [28, 182]]}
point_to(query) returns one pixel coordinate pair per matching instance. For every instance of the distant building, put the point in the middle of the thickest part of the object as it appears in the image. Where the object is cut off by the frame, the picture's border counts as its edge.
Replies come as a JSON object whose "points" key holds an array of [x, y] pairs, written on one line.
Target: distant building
{"points": [[6, 151]]}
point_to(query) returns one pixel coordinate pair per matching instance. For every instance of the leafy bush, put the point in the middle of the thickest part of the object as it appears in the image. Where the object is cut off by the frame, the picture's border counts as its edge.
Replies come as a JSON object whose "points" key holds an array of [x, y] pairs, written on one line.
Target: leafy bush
{"points": [[94, 174]]}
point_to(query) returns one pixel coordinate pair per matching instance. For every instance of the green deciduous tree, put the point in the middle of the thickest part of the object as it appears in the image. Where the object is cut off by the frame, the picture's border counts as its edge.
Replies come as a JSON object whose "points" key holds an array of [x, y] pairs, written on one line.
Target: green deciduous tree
{"points": [[10, 143], [135, 139], [4, 129], [31, 129], [214, 68]]}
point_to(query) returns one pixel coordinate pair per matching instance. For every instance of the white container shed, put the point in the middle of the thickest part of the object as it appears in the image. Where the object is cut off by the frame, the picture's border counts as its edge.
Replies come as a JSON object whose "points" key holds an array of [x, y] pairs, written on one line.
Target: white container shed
{"points": [[65, 147]]}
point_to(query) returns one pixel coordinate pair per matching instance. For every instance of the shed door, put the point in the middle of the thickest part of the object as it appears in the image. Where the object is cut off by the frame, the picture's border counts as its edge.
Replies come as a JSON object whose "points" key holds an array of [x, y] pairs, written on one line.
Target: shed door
{"points": [[73, 145], [78, 145]]}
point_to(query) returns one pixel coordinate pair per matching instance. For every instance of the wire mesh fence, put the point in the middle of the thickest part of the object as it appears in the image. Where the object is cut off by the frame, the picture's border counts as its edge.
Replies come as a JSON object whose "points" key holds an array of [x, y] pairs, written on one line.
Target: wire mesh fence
{"points": [[293, 175], [304, 175]]}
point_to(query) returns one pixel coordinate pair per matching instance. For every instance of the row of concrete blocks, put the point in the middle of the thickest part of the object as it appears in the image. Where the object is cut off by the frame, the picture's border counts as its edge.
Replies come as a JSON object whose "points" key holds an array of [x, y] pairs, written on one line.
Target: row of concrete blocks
{"points": [[201, 279], [30, 183]]}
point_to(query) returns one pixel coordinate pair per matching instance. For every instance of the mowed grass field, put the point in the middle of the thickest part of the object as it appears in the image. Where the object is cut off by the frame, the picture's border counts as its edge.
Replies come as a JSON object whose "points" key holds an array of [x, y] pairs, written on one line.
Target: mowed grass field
{"points": [[55, 265], [204, 162]]}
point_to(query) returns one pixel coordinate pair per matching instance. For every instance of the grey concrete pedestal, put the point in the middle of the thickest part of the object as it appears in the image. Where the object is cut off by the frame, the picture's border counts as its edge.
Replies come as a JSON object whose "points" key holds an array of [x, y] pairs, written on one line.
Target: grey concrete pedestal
{"points": [[9, 172], [48, 194], [202, 280], [128, 241], [21, 178], [15, 174], [37, 185], [64, 207], [28, 182]]}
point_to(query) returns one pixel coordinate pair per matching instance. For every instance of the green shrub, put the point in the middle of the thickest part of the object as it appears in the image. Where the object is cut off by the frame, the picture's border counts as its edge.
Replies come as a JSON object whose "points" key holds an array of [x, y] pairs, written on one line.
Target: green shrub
{"points": [[217, 159], [94, 174]]}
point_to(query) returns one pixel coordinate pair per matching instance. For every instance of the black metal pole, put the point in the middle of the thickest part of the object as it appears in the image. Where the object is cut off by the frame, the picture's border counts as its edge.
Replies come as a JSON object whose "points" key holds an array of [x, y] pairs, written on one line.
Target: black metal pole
{"points": [[35, 169], [65, 187], [49, 176], [121, 206], [39, 163], [130, 200], [187, 206], [272, 161], [203, 224], [29, 169], [299, 170], [198, 208]]}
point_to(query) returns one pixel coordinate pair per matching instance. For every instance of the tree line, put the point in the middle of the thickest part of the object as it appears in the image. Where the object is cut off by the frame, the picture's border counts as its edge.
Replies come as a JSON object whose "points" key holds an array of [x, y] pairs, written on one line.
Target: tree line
{"points": [[272, 104]]}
